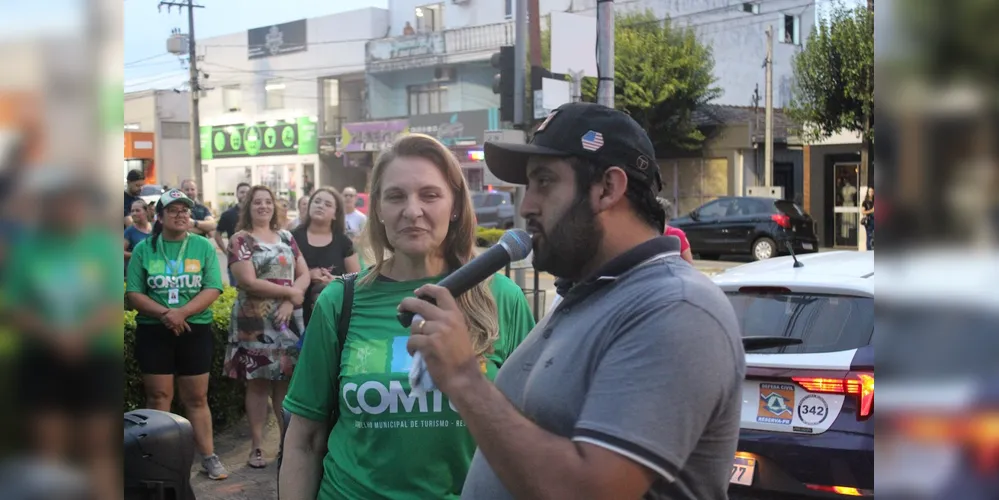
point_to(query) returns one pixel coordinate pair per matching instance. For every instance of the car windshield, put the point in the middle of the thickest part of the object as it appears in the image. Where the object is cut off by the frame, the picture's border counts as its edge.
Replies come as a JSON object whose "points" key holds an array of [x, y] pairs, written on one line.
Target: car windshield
{"points": [[150, 190], [824, 323], [789, 208]]}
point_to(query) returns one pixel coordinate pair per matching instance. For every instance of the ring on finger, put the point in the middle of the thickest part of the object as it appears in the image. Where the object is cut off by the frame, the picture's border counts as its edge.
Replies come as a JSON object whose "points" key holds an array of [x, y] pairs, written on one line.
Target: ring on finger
{"points": [[419, 326]]}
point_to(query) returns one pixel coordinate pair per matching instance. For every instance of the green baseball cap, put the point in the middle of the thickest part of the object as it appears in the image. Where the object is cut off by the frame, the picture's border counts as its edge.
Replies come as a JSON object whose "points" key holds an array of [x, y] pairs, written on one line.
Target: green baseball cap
{"points": [[174, 196]]}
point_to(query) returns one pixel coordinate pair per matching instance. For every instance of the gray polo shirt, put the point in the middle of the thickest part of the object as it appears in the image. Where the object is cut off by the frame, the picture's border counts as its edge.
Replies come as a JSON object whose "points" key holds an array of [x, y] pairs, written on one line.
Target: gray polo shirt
{"points": [[646, 361]]}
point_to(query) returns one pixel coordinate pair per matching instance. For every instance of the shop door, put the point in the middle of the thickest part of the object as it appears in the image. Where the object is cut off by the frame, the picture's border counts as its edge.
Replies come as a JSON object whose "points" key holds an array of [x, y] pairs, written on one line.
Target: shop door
{"points": [[846, 209]]}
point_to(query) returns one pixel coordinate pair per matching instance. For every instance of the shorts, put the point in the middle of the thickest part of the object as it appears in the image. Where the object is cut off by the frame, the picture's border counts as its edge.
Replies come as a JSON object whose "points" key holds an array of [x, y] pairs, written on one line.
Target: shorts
{"points": [[47, 382], [161, 352]]}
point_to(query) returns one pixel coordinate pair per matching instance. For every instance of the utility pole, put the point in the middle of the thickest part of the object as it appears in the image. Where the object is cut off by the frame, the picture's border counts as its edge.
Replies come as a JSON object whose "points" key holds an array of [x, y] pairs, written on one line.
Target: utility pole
{"points": [[768, 154], [195, 88], [534, 17], [605, 52], [519, 67]]}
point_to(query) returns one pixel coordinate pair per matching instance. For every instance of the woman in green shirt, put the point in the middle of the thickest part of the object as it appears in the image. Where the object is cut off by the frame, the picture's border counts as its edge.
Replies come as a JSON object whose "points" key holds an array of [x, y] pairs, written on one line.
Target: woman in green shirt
{"points": [[173, 278], [387, 441]]}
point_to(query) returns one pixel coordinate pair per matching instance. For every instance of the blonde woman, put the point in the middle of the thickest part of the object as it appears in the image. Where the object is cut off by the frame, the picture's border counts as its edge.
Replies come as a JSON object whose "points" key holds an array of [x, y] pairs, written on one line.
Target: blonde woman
{"points": [[385, 441]]}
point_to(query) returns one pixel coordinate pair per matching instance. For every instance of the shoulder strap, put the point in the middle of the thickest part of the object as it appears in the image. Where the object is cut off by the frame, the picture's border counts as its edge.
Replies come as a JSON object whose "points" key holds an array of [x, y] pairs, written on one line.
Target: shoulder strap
{"points": [[348, 304]]}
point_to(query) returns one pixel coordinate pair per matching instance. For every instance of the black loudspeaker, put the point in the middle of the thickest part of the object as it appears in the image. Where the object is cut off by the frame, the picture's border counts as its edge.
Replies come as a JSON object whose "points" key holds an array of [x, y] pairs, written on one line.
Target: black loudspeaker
{"points": [[159, 451]]}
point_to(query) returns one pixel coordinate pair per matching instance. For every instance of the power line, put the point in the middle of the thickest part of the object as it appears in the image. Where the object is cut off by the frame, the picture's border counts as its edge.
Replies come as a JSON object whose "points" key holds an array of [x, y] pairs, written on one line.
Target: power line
{"points": [[144, 59]]}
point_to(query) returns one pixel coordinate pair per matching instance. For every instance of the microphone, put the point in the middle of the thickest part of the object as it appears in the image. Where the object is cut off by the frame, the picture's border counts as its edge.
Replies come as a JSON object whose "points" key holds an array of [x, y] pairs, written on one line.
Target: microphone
{"points": [[515, 245]]}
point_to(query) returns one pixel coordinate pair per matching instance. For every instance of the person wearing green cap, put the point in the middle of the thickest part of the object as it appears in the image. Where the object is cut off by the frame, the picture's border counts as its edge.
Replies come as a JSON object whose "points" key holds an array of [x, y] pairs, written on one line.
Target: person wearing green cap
{"points": [[173, 278]]}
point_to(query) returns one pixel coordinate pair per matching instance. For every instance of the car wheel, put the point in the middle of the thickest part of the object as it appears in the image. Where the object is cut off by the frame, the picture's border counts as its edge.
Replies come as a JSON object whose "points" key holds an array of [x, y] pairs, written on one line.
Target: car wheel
{"points": [[764, 248]]}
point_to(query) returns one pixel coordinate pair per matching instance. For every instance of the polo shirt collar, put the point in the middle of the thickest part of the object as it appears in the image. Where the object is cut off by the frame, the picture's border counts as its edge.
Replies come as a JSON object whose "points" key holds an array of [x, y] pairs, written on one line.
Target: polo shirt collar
{"points": [[621, 264]]}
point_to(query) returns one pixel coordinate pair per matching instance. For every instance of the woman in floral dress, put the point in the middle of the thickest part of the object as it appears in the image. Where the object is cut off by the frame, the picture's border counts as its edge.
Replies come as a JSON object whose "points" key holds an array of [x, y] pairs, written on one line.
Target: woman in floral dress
{"points": [[266, 321]]}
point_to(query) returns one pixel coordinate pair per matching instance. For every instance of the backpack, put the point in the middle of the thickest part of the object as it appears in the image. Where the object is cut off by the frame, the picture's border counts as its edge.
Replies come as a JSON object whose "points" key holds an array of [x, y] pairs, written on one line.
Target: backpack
{"points": [[341, 334]]}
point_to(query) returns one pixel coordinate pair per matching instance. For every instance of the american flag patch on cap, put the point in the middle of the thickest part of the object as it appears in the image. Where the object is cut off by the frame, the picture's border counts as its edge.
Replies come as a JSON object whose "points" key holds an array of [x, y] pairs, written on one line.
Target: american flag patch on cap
{"points": [[593, 141]]}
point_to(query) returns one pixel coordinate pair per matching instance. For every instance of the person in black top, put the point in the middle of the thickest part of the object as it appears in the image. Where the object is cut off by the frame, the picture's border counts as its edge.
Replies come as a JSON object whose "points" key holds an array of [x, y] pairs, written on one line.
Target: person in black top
{"points": [[324, 243], [867, 210], [228, 221], [202, 221], [133, 186]]}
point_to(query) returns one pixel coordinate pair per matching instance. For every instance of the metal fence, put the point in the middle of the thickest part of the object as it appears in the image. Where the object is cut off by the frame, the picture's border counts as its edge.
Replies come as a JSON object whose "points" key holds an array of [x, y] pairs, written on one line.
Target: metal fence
{"points": [[536, 297], [692, 182], [476, 38]]}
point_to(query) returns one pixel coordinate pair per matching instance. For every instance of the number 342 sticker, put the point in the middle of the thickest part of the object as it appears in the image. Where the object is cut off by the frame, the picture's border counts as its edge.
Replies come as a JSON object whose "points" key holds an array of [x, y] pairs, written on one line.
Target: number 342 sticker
{"points": [[813, 410]]}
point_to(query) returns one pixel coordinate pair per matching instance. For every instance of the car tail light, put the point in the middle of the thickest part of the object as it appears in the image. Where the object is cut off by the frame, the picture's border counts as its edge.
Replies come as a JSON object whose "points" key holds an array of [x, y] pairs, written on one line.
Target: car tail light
{"points": [[977, 432], [782, 220], [860, 385], [840, 490]]}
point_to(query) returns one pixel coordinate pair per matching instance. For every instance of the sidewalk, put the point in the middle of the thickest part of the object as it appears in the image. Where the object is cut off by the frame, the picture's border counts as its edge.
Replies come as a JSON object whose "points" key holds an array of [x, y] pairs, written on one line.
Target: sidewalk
{"points": [[244, 482]]}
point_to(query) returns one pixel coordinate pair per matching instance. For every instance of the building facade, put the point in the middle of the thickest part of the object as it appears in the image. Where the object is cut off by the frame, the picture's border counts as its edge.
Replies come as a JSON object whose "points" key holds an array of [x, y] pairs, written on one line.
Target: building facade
{"points": [[158, 136], [272, 93]]}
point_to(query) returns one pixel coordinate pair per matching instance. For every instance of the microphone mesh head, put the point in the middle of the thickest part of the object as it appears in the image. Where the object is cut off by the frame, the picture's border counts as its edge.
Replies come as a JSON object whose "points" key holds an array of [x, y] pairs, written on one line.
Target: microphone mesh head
{"points": [[518, 243]]}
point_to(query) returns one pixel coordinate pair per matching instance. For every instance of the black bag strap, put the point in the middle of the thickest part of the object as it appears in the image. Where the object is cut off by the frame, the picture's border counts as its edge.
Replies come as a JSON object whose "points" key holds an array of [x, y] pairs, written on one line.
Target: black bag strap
{"points": [[343, 324]]}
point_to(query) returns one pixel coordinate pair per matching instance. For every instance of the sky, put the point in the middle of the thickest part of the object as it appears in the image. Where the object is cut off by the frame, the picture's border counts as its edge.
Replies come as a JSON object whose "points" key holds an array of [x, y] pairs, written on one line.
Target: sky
{"points": [[147, 63]]}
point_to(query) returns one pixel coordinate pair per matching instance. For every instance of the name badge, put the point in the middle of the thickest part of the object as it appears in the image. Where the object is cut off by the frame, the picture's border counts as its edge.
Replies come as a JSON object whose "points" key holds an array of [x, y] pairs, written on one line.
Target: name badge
{"points": [[173, 297]]}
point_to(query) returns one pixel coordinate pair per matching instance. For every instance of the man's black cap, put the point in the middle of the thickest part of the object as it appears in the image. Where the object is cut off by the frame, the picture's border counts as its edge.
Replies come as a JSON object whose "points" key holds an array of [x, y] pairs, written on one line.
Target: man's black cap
{"points": [[604, 136], [135, 175]]}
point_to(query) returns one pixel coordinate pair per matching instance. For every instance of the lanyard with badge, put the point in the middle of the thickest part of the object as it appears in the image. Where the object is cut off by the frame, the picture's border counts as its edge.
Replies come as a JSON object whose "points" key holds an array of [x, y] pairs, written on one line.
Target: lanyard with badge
{"points": [[173, 295]]}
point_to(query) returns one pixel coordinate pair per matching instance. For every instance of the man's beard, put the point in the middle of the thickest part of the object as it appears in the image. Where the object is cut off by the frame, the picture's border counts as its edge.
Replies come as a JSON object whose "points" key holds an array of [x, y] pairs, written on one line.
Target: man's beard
{"points": [[566, 249]]}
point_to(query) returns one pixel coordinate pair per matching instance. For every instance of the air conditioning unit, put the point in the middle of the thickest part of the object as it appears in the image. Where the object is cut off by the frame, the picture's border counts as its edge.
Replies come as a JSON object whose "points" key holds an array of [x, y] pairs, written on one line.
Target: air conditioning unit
{"points": [[444, 74]]}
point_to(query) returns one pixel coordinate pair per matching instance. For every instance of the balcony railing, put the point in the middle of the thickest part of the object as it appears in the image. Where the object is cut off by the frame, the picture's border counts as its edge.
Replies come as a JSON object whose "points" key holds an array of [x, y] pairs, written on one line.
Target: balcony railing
{"points": [[430, 49]]}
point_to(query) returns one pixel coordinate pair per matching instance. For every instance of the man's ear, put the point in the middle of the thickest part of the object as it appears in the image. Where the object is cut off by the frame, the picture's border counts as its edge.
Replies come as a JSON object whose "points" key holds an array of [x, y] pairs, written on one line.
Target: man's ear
{"points": [[611, 189]]}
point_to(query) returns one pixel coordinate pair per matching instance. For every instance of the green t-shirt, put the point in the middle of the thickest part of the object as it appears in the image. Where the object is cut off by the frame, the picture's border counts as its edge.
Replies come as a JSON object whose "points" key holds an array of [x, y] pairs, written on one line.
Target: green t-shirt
{"points": [[387, 443], [65, 279], [172, 279]]}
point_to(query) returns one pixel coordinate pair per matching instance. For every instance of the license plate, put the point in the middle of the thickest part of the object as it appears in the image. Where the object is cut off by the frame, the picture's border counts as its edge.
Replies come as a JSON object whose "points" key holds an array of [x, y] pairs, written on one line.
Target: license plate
{"points": [[807, 246], [742, 471]]}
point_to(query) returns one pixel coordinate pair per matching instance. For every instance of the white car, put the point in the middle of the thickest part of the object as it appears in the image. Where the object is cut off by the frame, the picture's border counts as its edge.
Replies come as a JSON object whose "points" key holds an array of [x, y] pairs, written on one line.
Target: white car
{"points": [[808, 399]]}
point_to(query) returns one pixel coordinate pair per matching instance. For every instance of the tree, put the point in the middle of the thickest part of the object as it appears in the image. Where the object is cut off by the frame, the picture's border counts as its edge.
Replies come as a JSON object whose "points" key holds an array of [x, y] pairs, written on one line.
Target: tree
{"points": [[834, 77], [662, 75]]}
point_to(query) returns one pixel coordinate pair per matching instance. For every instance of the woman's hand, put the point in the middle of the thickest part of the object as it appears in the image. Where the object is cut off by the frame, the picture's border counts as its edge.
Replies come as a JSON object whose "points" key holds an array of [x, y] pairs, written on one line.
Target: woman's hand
{"points": [[283, 314], [175, 321], [316, 274]]}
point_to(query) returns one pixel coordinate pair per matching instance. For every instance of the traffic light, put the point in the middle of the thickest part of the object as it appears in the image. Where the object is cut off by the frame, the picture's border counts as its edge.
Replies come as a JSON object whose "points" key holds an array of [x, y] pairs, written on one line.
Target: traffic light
{"points": [[504, 62]]}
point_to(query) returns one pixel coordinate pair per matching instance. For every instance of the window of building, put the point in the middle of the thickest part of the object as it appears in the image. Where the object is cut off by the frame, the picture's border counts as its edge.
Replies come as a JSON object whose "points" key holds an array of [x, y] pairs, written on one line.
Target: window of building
{"points": [[429, 18], [232, 98], [791, 30], [427, 99], [274, 94], [175, 130], [508, 11], [331, 106], [751, 7]]}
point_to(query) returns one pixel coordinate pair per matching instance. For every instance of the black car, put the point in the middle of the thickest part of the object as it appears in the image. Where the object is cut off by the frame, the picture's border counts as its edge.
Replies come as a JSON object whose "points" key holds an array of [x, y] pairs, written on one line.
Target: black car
{"points": [[740, 225]]}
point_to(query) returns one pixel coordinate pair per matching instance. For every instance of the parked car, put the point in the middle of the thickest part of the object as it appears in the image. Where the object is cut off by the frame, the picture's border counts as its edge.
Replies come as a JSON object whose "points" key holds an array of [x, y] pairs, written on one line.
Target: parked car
{"points": [[150, 193], [807, 419], [748, 225], [493, 209]]}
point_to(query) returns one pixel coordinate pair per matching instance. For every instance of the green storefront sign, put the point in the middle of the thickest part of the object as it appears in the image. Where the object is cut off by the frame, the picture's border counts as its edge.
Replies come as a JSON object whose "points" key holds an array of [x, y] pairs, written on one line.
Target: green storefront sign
{"points": [[271, 138]]}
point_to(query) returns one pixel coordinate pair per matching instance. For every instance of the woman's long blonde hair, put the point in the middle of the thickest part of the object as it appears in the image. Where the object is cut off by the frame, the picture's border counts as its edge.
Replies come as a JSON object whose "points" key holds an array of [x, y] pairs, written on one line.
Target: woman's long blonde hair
{"points": [[458, 247]]}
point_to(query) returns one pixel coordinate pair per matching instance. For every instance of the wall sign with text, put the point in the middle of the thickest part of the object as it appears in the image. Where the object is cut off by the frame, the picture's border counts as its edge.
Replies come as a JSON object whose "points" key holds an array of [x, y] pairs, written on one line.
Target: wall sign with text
{"points": [[271, 138], [277, 40]]}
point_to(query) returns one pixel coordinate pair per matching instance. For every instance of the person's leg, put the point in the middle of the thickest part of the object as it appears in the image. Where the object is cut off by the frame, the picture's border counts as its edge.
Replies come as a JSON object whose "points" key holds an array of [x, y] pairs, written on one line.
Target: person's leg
{"points": [[194, 395], [155, 352], [101, 451], [257, 393], [279, 388], [159, 391]]}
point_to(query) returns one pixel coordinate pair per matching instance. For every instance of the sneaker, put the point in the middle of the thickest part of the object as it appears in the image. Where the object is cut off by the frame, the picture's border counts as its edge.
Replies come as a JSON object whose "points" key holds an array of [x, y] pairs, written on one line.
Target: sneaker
{"points": [[214, 468]]}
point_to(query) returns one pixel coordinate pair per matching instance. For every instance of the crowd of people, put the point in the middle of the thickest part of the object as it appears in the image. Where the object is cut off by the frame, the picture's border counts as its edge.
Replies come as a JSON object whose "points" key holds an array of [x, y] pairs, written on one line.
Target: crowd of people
{"points": [[173, 276], [583, 404]]}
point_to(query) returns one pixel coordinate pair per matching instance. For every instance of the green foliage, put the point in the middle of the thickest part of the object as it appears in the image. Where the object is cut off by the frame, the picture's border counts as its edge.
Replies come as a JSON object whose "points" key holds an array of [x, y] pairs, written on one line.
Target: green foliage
{"points": [[225, 395], [488, 237], [834, 76], [662, 74], [948, 39]]}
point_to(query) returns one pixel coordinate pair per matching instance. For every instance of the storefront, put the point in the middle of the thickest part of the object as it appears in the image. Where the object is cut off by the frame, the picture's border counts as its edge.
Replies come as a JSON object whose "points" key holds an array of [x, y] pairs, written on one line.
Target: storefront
{"points": [[279, 154], [837, 184], [140, 154], [462, 132]]}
